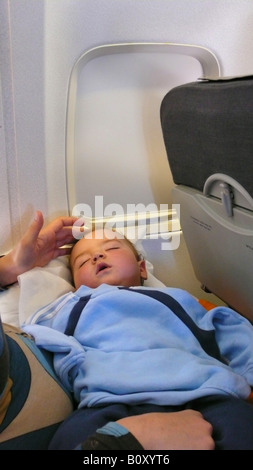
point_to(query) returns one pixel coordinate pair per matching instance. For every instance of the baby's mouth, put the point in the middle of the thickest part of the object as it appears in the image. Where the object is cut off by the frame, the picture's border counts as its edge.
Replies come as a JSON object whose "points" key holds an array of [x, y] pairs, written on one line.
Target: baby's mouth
{"points": [[101, 267]]}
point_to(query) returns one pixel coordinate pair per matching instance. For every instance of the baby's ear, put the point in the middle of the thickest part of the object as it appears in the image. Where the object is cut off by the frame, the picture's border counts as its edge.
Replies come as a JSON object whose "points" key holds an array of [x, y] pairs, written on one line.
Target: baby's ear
{"points": [[143, 269]]}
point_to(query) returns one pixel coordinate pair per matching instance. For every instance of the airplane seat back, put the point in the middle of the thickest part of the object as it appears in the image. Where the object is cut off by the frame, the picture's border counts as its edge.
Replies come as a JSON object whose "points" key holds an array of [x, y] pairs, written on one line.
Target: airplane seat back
{"points": [[207, 130]]}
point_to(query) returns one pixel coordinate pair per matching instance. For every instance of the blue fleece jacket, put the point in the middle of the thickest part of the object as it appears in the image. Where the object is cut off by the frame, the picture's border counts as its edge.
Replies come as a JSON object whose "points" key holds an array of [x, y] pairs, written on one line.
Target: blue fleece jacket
{"points": [[130, 348]]}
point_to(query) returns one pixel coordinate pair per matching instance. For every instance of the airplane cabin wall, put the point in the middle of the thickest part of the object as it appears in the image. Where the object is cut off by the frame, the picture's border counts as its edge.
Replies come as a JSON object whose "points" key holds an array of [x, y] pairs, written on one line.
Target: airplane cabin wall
{"points": [[40, 43]]}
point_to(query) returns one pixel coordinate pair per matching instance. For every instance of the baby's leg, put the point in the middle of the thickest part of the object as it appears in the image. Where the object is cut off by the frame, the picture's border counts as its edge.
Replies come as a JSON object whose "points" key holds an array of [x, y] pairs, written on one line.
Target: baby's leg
{"points": [[85, 421], [231, 418]]}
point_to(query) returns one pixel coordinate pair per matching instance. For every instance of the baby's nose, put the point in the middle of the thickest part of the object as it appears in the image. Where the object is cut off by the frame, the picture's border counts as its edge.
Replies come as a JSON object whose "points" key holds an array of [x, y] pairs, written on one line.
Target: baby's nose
{"points": [[97, 256]]}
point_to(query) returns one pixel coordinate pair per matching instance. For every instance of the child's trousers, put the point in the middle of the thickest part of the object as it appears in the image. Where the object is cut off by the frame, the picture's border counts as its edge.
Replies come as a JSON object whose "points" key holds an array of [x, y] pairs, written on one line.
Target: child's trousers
{"points": [[231, 418]]}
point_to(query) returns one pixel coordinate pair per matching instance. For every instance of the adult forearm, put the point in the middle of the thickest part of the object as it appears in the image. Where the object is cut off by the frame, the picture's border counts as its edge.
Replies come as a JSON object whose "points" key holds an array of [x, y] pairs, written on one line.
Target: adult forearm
{"points": [[8, 270]]}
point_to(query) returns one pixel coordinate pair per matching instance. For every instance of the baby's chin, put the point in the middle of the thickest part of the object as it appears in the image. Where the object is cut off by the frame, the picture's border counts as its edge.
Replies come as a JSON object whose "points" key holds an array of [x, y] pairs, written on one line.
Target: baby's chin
{"points": [[110, 281], [115, 284]]}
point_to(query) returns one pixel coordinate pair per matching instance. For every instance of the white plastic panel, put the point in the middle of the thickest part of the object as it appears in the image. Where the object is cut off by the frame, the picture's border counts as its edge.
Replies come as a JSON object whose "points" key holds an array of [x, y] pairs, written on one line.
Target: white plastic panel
{"points": [[114, 141], [220, 247]]}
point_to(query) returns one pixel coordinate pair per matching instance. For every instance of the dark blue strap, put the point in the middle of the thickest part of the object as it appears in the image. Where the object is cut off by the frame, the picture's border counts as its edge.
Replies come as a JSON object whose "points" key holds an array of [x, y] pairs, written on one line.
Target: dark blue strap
{"points": [[205, 338], [75, 314]]}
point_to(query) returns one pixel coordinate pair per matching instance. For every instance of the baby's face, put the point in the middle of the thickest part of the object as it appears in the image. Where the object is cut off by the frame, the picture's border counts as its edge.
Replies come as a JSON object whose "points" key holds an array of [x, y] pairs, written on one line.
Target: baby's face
{"points": [[106, 258]]}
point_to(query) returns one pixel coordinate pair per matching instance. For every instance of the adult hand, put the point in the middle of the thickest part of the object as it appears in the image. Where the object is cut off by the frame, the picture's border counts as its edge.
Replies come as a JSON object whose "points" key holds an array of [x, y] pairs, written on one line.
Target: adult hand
{"points": [[37, 247], [182, 430]]}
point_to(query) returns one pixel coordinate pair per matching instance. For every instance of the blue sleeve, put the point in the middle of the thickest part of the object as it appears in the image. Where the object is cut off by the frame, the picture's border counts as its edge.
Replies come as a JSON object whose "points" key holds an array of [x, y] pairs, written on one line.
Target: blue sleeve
{"points": [[234, 335]]}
